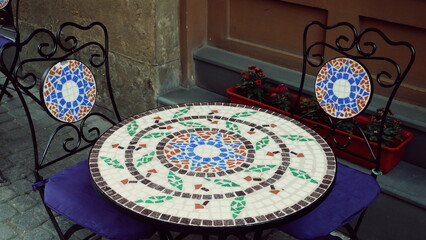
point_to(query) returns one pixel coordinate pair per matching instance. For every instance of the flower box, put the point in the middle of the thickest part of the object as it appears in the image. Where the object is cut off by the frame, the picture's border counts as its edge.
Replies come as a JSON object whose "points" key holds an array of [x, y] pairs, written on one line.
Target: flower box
{"points": [[356, 151]]}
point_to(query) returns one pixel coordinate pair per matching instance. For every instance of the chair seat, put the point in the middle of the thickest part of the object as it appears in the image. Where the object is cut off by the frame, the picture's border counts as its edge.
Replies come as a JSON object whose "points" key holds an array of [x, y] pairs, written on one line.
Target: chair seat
{"points": [[71, 194], [352, 192], [4, 40]]}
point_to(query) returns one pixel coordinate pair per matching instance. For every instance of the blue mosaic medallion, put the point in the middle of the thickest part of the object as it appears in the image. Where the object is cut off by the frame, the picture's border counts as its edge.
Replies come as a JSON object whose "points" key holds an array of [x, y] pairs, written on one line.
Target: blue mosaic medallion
{"points": [[206, 151], [343, 88], [3, 3], [69, 91]]}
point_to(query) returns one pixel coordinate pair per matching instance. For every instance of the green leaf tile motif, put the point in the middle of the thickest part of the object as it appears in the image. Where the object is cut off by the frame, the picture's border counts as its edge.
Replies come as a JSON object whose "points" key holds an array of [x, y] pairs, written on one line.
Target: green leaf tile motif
{"points": [[262, 143], [233, 127], [132, 128], [146, 158], [237, 205], [192, 124], [175, 180], [260, 168], [243, 114], [297, 138], [112, 162], [155, 135], [225, 183], [155, 199], [302, 174], [181, 112]]}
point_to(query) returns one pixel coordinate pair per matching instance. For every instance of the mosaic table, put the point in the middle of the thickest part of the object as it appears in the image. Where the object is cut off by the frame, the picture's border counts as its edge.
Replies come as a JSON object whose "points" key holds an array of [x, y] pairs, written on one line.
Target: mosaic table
{"points": [[208, 165]]}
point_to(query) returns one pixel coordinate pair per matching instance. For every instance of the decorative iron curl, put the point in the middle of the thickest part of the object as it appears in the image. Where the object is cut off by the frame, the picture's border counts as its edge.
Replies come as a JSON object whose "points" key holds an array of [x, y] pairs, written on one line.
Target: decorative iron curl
{"points": [[400, 75], [93, 129], [75, 42], [67, 141], [339, 46]]}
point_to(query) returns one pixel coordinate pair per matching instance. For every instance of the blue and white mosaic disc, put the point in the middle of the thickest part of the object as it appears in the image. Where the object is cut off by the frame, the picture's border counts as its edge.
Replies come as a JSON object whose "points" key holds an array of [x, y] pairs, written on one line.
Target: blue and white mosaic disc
{"points": [[3, 3], [69, 91], [343, 88]]}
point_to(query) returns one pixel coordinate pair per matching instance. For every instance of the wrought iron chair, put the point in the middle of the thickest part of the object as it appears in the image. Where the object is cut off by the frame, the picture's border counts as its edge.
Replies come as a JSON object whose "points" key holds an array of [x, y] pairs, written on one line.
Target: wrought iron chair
{"points": [[9, 24], [67, 93], [344, 89]]}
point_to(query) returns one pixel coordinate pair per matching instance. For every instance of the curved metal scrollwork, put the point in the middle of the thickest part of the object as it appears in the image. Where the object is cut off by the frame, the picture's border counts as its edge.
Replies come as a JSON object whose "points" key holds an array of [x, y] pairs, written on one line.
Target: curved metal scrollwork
{"points": [[88, 135]]}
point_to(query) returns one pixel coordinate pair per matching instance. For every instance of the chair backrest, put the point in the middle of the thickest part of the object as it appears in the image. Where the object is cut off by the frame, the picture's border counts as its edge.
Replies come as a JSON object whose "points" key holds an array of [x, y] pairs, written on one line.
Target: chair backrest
{"points": [[65, 74], [350, 69]]}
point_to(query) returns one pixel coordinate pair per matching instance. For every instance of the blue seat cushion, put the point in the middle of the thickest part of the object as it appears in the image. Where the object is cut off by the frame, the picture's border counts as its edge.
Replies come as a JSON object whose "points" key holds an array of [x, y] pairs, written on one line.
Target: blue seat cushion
{"points": [[4, 40], [352, 192], [71, 194]]}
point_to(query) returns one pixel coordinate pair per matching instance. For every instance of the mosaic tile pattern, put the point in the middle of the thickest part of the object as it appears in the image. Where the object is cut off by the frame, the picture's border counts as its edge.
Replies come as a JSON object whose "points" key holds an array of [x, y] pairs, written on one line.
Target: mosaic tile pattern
{"points": [[69, 91], [212, 164], [3, 3], [343, 88]]}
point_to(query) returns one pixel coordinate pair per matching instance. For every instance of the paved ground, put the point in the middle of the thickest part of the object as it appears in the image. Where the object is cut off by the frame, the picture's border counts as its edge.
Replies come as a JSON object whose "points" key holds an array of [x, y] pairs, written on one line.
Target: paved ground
{"points": [[22, 215]]}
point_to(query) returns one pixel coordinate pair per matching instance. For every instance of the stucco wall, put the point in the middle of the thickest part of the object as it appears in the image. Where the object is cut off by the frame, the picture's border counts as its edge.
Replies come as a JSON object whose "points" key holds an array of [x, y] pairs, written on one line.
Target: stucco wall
{"points": [[143, 38]]}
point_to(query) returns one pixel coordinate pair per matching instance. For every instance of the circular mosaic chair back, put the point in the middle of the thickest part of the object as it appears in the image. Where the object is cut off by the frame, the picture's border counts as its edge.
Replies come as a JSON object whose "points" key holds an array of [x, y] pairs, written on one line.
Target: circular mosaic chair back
{"points": [[343, 88], [68, 91], [3, 3]]}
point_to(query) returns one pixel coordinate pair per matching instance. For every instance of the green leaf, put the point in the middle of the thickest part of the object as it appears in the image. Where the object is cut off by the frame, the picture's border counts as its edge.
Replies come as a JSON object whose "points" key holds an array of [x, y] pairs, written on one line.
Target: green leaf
{"points": [[237, 205], [112, 162], [181, 112], [233, 127], [155, 135], [260, 168], [225, 183], [145, 159], [243, 114], [132, 128], [155, 199], [192, 124], [262, 143], [297, 138], [302, 175], [175, 180]]}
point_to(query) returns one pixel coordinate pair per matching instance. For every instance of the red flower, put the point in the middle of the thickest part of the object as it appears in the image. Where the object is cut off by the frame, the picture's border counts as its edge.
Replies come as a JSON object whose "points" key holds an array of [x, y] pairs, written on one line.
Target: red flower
{"points": [[282, 88], [246, 76], [251, 67], [242, 72], [273, 95], [273, 90], [258, 70], [258, 82]]}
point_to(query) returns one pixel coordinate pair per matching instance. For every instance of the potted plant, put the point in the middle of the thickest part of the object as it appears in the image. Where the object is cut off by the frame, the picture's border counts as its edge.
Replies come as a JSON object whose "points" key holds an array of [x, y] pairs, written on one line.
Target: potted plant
{"points": [[254, 90]]}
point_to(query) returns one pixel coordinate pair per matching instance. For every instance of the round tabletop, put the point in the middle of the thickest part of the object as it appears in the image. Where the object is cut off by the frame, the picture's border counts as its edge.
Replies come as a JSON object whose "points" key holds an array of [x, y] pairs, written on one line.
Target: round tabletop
{"points": [[212, 165]]}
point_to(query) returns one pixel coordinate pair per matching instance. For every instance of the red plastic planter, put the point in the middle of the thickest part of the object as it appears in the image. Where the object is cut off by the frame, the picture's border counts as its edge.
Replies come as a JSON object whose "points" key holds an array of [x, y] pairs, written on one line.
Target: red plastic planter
{"points": [[390, 156]]}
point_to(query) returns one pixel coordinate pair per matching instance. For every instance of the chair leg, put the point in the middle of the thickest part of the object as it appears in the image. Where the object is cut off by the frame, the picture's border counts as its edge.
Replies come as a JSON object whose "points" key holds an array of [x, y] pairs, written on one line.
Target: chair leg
{"points": [[4, 91], [2, 178]]}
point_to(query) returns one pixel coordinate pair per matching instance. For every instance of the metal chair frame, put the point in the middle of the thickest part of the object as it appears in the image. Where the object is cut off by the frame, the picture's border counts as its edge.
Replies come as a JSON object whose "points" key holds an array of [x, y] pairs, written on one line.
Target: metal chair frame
{"points": [[9, 18], [54, 48], [354, 46]]}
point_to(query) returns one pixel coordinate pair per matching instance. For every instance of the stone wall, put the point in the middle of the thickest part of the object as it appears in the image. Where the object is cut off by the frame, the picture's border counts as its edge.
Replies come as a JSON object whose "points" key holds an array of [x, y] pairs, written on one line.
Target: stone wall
{"points": [[143, 40]]}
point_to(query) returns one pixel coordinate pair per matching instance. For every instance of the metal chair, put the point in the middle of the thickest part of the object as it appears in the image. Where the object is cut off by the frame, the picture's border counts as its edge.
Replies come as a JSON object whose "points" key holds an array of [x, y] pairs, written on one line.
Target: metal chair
{"points": [[9, 33], [344, 89], [68, 91]]}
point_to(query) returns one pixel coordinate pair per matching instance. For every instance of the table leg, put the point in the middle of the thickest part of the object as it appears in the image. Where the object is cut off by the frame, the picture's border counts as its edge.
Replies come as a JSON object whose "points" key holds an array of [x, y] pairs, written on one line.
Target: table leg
{"points": [[257, 235], [163, 235]]}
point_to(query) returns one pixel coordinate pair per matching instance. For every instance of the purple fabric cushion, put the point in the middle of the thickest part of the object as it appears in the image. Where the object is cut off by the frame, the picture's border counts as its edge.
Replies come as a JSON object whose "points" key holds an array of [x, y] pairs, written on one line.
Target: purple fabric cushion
{"points": [[352, 192], [4, 40], [71, 194]]}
